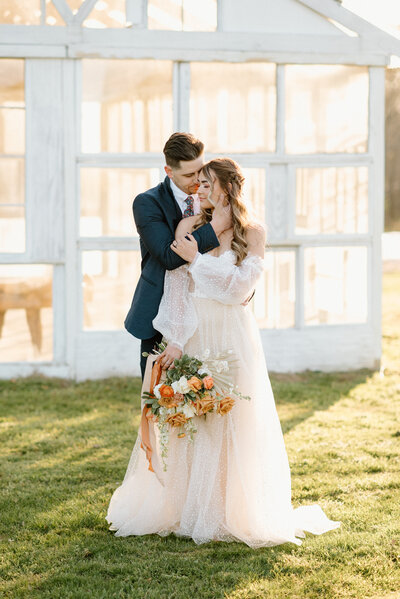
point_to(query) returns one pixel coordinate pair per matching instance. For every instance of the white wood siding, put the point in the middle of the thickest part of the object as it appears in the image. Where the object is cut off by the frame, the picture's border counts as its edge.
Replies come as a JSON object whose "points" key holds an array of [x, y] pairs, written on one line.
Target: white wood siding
{"points": [[44, 165], [288, 31]]}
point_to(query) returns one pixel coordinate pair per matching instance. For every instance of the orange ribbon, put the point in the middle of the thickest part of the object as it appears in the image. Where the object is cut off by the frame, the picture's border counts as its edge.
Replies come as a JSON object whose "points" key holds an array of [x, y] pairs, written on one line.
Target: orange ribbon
{"points": [[146, 411]]}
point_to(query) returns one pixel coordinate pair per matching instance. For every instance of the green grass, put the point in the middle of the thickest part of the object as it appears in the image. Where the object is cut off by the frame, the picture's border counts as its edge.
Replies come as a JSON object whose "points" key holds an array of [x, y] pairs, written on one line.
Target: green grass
{"points": [[64, 448]]}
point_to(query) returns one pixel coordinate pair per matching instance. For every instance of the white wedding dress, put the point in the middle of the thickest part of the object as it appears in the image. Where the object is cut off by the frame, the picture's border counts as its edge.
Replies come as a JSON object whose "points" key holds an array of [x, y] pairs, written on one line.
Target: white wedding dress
{"points": [[233, 481]]}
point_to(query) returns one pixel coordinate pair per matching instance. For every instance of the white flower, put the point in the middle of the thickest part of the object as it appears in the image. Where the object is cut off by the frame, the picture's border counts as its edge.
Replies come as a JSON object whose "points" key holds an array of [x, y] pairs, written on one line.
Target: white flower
{"points": [[156, 391], [181, 386], [222, 366], [203, 371], [206, 354], [188, 410]]}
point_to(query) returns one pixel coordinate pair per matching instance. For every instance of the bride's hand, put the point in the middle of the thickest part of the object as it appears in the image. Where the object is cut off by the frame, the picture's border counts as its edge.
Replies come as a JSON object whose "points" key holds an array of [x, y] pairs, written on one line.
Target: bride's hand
{"points": [[168, 356], [186, 247]]}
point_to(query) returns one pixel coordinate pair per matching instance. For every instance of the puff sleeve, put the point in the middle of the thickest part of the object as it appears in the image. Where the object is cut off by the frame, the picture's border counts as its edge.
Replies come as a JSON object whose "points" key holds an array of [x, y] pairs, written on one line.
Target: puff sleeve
{"points": [[176, 319], [219, 279]]}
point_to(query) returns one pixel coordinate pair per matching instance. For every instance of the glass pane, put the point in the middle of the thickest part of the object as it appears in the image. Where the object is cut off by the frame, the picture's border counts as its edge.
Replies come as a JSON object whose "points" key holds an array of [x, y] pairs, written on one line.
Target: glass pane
{"points": [[76, 4], [182, 15], [106, 199], [12, 229], [12, 130], [26, 314], [199, 16], [335, 285], [165, 14], [326, 108], [12, 82], [331, 200], [127, 105], [254, 192], [110, 13], [232, 106], [106, 13], [274, 300], [109, 279], [12, 181], [52, 15], [20, 12]]}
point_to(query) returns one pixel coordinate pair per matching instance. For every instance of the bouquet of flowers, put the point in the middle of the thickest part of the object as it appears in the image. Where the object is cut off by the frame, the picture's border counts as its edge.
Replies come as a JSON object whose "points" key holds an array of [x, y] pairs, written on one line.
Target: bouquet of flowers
{"points": [[195, 387]]}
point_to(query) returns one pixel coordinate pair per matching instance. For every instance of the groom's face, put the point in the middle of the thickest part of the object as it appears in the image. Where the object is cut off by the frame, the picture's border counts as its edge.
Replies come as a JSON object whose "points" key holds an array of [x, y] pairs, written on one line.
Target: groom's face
{"points": [[186, 176]]}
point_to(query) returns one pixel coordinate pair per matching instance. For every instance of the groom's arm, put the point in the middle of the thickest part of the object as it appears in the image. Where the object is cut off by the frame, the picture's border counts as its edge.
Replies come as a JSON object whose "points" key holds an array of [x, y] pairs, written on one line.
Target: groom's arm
{"points": [[157, 236]]}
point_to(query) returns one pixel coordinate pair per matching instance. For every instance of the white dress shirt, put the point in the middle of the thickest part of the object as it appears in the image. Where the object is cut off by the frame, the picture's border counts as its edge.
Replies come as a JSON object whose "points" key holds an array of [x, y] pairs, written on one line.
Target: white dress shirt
{"points": [[180, 196]]}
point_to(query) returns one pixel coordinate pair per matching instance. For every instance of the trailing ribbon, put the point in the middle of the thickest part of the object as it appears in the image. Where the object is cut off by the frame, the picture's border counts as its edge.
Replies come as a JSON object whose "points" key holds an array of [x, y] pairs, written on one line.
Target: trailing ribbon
{"points": [[151, 378]]}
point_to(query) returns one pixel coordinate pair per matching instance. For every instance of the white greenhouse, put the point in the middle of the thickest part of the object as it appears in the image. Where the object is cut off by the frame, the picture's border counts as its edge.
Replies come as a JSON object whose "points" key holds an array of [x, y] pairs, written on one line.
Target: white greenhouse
{"points": [[89, 92]]}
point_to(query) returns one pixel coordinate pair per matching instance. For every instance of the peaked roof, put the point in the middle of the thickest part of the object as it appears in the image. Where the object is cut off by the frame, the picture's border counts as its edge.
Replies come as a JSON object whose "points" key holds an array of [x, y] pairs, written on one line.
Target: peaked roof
{"points": [[333, 9]]}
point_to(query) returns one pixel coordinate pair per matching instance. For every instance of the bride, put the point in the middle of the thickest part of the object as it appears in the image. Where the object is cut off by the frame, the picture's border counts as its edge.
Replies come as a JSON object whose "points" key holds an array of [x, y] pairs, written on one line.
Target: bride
{"points": [[233, 481]]}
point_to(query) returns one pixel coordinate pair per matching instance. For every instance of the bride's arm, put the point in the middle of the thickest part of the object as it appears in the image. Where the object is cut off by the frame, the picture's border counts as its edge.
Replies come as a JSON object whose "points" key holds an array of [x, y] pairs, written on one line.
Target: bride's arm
{"points": [[176, 319], [225, 282], [186, 225]]}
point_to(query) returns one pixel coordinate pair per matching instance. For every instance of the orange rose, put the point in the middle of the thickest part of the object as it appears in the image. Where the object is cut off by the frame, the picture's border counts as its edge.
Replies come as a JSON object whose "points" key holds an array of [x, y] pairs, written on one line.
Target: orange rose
{"points": [[204, 405], [167, 399], [225, 405], [208, 382], [179, 397], [195, 384], [172, 402], [168, 402], [166, 391], [176, 419]]}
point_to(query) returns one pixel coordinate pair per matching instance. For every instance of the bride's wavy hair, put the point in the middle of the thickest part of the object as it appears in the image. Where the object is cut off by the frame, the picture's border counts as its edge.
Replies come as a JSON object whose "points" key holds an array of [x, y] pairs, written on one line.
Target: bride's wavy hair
{"points": [[231, 180]]}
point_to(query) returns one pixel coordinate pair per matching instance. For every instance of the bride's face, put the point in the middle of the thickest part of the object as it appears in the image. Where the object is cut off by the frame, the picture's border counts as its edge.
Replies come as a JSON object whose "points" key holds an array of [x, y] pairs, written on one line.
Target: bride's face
{"points": [[209, 194]]}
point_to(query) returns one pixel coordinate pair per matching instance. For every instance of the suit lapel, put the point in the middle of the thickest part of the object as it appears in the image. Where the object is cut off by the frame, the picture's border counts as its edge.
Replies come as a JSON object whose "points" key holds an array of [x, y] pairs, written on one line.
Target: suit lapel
{"points": [[169, 205]]}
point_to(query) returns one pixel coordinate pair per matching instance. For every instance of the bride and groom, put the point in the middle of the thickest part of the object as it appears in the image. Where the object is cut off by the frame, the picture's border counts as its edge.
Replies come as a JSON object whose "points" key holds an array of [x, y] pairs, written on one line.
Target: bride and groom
{"points": [[201, 259]]}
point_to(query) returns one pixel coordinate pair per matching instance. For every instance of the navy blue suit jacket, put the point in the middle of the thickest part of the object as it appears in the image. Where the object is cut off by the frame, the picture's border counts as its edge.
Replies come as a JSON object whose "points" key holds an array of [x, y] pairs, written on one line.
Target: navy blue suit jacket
{"points": [[157, 215]]}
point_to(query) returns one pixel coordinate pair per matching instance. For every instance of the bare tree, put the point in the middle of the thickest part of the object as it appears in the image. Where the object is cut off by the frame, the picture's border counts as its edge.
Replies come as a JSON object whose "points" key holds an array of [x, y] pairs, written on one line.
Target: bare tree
{"points": [[392, 147]]}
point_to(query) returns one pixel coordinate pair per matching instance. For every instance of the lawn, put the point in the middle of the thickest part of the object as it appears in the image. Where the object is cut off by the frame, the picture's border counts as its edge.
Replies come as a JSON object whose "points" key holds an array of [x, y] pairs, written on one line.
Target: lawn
{"points": [[65, 446]]}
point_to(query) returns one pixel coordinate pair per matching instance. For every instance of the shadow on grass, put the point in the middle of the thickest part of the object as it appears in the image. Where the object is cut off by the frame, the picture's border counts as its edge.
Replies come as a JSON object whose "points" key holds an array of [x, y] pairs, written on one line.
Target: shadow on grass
{"points": [[95, 564], [82, 434], [69, 448]]}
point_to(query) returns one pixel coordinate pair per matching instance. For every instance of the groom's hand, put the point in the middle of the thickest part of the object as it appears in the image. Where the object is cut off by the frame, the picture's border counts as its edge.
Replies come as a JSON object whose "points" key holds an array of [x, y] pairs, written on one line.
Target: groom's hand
{"points": [[222, 217], [170, 353]]}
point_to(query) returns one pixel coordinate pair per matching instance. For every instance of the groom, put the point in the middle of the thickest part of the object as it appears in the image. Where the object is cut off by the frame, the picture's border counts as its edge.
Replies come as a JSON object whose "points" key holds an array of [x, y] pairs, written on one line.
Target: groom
{"points": [[157, 213]]}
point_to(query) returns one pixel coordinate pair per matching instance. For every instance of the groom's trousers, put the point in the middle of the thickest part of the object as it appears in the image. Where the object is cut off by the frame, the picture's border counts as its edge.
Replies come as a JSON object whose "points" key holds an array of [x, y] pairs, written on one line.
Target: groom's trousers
{"points": [[147, 345]]}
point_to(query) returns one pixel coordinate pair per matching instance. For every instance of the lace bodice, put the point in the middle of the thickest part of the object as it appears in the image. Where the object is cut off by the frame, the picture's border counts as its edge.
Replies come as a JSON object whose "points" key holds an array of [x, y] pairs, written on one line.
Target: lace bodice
{"points": [[213, 277]]}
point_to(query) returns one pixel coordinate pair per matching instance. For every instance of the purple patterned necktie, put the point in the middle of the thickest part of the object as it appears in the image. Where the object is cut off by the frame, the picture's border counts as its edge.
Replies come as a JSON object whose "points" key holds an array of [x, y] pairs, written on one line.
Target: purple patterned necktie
{"points": [[189, 207]]}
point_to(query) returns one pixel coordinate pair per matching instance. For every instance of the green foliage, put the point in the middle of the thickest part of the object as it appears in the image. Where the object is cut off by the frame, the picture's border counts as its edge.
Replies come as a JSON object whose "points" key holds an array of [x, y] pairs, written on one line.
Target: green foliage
{"points": [[186, 366], [151, 401], [64, 448]]}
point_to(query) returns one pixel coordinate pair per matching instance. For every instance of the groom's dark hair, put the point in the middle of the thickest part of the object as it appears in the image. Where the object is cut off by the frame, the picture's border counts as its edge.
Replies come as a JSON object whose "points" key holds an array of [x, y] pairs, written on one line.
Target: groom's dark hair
{"points": [[182, 146]]}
